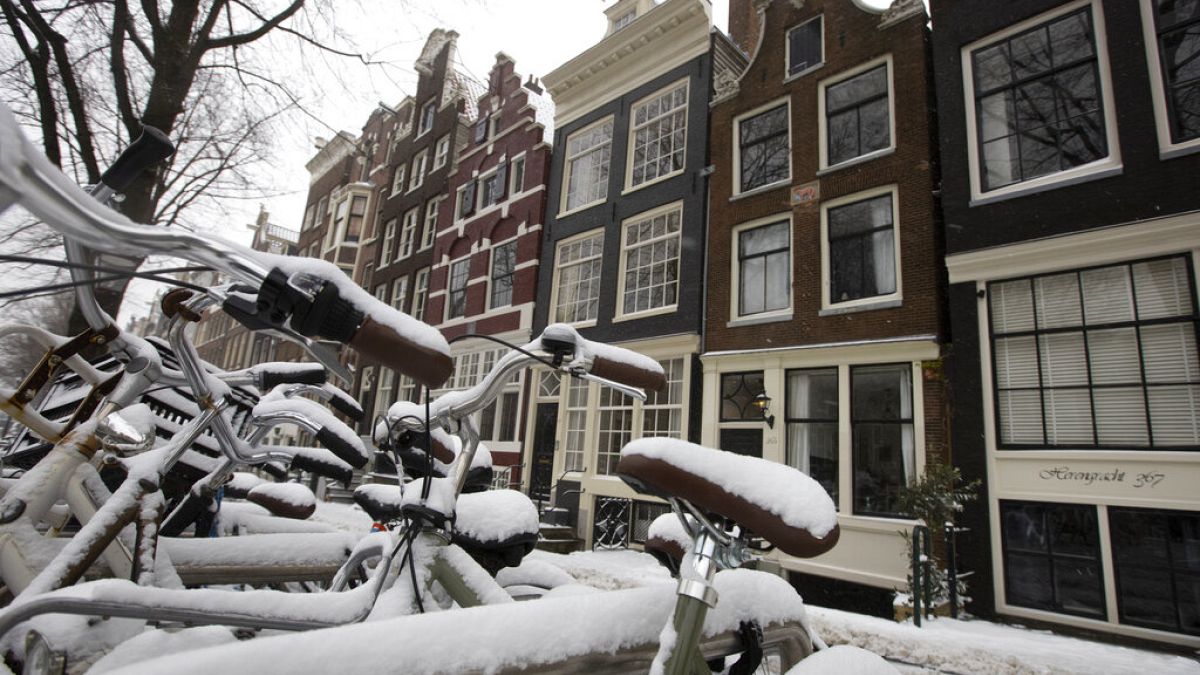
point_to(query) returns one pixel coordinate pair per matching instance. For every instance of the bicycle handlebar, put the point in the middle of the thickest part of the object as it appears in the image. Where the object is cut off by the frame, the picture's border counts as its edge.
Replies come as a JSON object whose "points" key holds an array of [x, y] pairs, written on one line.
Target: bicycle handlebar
{"points": [[150, 148]]}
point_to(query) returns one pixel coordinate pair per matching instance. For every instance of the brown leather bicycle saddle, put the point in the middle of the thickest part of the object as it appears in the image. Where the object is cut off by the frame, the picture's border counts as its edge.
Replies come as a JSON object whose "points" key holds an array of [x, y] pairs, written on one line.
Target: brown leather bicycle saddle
{"points": [[771, 500]]}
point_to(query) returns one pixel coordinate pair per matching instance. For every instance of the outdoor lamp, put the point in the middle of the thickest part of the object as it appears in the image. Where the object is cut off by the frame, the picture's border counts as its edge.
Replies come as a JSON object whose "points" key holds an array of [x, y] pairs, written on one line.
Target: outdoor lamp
{"points": [[763, 403]]}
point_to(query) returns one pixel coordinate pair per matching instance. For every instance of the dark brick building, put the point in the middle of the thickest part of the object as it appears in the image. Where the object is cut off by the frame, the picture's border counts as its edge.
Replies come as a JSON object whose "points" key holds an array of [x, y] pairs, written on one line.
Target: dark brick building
{"points": [[823, 272], [1069, 137]]}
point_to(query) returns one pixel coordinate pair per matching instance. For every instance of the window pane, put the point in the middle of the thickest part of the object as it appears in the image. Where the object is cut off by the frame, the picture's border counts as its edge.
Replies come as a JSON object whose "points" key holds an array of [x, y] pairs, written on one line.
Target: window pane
{"points": [[1162, 289], [1012, 306], [1027, 581], [1016, 362], [1107, 295], [813, 448], [804, 46], [1175, 415], [764, 148], [1058, 301], [1079, 587], [1021, 417], [1068, 416], [763, 239], [1024, 527]]}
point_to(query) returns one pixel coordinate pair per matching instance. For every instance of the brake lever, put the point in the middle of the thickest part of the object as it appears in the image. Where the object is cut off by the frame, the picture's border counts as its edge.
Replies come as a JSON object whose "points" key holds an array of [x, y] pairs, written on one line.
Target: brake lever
{"points": [[634, 392]]}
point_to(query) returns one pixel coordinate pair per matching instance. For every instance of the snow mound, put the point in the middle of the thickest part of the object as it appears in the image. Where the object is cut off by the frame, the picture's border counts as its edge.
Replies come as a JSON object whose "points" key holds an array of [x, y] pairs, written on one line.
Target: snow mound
{"points": [[843, 660]]}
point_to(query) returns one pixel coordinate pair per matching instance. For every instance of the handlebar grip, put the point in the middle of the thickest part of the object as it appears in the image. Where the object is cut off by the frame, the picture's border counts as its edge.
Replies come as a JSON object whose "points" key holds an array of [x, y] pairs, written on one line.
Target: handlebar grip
{"points": [[340, 447], [186, 513], [303, 373], [347, 407], [628, 373], [382, 344], [150, 148], [327, 469]]}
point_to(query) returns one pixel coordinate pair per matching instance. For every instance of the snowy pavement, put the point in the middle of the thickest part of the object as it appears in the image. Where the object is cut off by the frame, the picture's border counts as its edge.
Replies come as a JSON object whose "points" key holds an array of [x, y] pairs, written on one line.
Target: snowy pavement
{"points": [[940, 645]]}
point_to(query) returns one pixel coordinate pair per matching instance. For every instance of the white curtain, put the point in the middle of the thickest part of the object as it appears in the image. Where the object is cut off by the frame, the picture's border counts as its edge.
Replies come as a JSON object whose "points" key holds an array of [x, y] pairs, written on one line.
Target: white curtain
{"points": [[907, 452], [799, 438]]}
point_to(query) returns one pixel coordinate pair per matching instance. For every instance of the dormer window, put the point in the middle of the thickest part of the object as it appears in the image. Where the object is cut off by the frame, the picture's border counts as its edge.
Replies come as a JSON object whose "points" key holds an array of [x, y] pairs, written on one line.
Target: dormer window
{"points": [[427, 112], [624, 20]]}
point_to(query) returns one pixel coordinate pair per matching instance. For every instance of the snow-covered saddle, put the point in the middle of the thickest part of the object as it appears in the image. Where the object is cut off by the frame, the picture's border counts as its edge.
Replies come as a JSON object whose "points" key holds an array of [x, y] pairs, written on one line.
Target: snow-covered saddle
{"points": [[771, 500]]}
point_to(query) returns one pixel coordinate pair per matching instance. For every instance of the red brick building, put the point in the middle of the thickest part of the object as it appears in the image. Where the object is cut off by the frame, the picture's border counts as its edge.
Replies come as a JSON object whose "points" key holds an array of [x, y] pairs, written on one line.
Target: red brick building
{"points": [[485, 253], [824, 291]]}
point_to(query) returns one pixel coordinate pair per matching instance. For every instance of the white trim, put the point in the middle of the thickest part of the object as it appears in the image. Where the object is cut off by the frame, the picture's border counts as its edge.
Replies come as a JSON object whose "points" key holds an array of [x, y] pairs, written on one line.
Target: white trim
{"points": [[1162, 120], [556, 270], [421, 117], [444, 140], [874, 301], [408, 234], [633, 128], [737, 147], [1145, 239], [491, 272], [431, 210], [787, 49], [465, 260], [1105, 165], [620, 314], [567, 166], [735, 268], [822, 119], [417, 178]]}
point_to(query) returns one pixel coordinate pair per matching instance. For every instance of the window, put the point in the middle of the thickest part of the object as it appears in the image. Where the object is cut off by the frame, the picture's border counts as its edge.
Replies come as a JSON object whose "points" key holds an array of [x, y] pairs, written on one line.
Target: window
{"points": [[650, 261], [365, 379], [1176, 31], [408, 390], [309, 213], [662, 412], [456, 303], [549, 384], [491, 187], [805, 47], [644, 515], [1037, 102], [576, 426], [860, 249], [381, 293], [408, 233], [763, 148], [430, 229], [358, 209], [615, 429], [881, 434], [383, 393], [322, 214], [658, 137], [441, 152], [623, 20], [398, 179], [465, 203], [857, 115], [420, 293], [389, 236], [504, 264], [812, 425], [427, 114], [1157, 568], [1052, 557], [738, 391], [588, 155], [341, 211], [481, 131], [418, 170], [517, 171], [577, 284], [1098, 358], [764, 268], [399, 293]]}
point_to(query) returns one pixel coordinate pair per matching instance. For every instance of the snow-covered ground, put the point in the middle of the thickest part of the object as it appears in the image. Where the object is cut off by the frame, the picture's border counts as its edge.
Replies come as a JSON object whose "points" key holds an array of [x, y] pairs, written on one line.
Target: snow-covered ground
{"points": [[940, 645]]}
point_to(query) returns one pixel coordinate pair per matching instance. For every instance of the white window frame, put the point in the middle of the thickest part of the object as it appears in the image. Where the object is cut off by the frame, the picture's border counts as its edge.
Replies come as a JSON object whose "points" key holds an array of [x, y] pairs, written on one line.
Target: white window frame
{"points": [[399, 293], [568, 166], [384, 395], [423, 127], [408, 233], [1100, 168], [823, 122], [783, 314], [889, 299], [441, 152], [464, 262], [381, 293], [429, 227], [557, 279], [633, 129], [513, 187], [481, 204], [787, 49], [737, 147], [420, 293], [417, 178], [621, 314], [492, 274], [389, 236], [398, 177], [1158, 92]]}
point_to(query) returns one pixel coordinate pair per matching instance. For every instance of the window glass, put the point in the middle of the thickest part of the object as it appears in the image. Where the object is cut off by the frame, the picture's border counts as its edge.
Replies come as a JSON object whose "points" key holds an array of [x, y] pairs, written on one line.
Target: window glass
{"points": [[881, 429], [614, 424], [358, 209], [804, 46], [409, 233], [659, 135], [738, 391], [764, 275], [578, 279], [1177, 23], [518, 176], [1103, 357], [430, 228], [588, 155], [812, 425], [576, 426], [427, 113], [662, 412], [1037, 101], [857, 116], [457, 299], [862, 258], [504, 262], [651, 262], [1052, 557], [399, 293], [420, 293], [763, 148], [389, 237]]}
